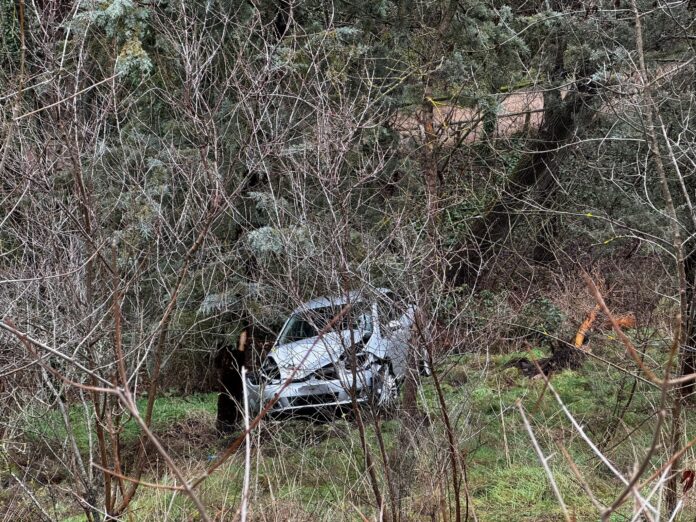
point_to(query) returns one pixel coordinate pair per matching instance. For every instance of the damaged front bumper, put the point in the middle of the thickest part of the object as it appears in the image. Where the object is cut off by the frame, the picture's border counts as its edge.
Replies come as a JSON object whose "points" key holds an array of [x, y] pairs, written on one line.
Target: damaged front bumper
{"points": [[309, 393]]}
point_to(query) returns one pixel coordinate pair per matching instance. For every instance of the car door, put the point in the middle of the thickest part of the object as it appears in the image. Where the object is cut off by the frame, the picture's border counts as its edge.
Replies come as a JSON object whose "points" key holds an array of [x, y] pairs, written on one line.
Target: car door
{"points": [[395, 328]]}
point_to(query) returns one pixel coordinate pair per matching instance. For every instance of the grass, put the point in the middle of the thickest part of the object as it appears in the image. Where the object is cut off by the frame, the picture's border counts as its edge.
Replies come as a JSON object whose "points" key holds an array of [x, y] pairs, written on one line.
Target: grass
{"points": [[48, 424], [508, 478], [304, 470]]}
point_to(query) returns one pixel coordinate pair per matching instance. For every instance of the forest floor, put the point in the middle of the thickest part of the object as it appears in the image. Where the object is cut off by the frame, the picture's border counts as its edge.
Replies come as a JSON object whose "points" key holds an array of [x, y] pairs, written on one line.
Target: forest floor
{"points": [[305, 469]]}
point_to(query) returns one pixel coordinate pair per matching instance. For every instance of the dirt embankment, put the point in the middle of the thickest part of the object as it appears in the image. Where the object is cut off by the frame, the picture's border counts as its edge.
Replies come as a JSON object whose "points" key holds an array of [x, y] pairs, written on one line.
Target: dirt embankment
{"points": [[523, 110], [518, 111]]}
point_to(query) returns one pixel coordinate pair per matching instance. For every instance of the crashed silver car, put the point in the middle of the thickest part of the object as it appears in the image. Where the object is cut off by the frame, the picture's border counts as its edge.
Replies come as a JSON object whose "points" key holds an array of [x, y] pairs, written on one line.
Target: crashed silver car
{"points": [[361, 354]]}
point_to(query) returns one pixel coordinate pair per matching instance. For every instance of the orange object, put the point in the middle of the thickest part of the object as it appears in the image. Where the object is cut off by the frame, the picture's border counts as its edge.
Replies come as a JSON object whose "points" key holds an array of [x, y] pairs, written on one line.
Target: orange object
{"points": [[586, 325], [626, 321]]}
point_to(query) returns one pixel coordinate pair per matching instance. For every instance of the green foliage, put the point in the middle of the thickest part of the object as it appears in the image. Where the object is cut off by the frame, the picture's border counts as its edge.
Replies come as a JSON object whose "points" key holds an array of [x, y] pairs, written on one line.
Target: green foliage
{"points": [[270, 240], [9, 30], [540, 318], [121, 19], [291, 145], [505, 359], [126, 23], [524, 489], [132, 60]]}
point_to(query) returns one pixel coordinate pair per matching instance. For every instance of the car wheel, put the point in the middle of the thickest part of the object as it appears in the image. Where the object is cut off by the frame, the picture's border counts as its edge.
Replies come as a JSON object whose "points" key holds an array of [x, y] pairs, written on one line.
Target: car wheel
{"points": [[384, 392]]}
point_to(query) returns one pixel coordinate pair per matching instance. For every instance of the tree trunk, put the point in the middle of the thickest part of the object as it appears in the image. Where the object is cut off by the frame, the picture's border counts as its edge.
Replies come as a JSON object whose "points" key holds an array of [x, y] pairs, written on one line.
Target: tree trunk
{"points": [[431, 183], [231, 360], [688, 359], [532, 173]]}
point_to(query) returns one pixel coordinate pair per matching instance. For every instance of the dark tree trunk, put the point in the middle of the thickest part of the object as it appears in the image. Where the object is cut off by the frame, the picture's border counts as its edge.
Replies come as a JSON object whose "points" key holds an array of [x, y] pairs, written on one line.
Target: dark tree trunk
{"points": [[282, 19], [547, 196], [688, 359], [230, 361], [532, 174], [428, 280]]}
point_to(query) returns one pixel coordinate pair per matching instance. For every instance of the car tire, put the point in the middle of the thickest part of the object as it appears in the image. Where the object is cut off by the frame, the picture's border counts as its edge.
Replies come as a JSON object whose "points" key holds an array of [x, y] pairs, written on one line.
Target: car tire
{"points": [[385, 389]]}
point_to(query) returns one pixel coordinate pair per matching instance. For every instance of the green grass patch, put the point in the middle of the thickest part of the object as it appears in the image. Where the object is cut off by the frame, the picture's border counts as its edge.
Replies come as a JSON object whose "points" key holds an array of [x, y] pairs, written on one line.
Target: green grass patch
{"points": [[523, 490], [49, 424], [305, 470]]}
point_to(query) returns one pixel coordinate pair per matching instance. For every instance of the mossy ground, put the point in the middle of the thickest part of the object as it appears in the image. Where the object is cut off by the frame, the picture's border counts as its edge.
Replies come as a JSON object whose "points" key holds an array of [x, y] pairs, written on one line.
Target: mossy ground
{"points": [[315, 470]]}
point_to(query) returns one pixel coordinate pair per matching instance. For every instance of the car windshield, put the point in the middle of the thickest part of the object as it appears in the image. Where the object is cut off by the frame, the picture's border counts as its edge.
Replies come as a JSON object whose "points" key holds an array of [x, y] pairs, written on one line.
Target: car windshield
{"points": [[308, 324]]}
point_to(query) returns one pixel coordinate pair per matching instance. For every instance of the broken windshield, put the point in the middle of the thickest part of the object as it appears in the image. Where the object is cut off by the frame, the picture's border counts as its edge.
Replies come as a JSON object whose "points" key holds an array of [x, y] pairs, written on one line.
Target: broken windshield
{"points": [[308, 324]]}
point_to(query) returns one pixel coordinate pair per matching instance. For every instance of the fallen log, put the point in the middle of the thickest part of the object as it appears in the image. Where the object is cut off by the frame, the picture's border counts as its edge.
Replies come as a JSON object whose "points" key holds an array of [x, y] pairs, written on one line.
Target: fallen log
{"points": [[568, 356], [586, 326]]}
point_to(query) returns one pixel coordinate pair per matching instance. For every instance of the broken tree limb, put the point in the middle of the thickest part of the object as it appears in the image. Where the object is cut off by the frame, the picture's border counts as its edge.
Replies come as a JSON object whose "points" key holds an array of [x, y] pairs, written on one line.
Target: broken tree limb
{"points": [[630, 348], [586, 326], [623, 321]]}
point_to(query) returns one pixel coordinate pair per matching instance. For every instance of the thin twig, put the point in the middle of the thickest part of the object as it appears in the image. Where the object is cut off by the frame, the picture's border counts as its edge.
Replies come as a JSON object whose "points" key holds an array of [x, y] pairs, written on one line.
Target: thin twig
{"points": [[247, 456], [26, 115], [140, 482]]}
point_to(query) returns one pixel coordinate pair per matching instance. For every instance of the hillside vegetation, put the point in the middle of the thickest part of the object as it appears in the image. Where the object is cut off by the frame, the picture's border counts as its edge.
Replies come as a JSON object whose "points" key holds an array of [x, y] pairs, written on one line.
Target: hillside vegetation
{"points": [[177, 177]]}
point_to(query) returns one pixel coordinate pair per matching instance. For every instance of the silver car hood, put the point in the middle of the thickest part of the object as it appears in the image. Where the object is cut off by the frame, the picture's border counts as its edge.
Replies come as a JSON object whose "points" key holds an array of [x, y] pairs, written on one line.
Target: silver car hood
{"points": [[308, 355]]}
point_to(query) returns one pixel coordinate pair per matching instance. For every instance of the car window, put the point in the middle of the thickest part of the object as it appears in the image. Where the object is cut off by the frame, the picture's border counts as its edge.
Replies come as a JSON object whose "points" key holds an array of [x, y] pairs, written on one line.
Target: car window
{"points": [[305, 325], [308, 324]]}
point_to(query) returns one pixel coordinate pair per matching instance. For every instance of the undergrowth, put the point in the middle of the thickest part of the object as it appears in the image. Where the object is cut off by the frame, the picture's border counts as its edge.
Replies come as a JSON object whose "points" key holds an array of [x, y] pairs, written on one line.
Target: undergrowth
{"points": [[314, 470]]}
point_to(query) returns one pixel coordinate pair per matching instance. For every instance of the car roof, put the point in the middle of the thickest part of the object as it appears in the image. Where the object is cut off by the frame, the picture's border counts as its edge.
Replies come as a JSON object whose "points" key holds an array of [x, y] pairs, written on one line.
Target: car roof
{"points": [[338, 300]]}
